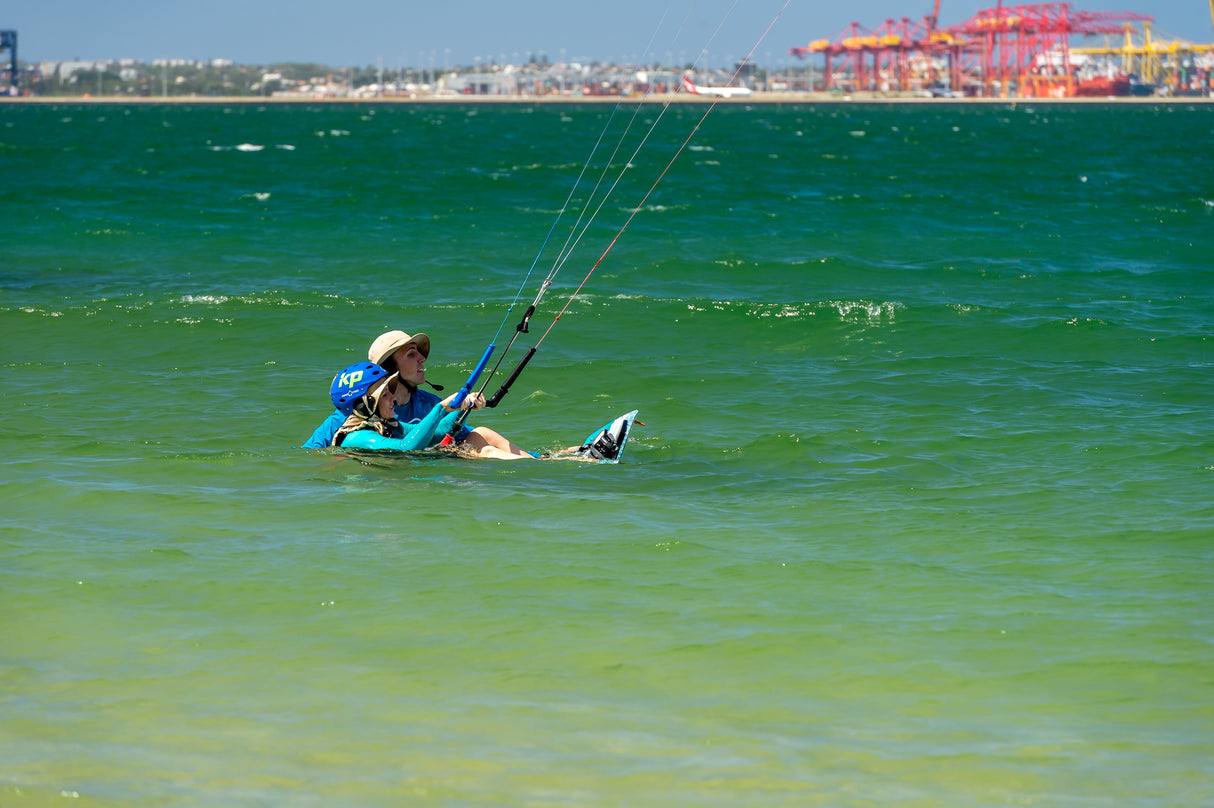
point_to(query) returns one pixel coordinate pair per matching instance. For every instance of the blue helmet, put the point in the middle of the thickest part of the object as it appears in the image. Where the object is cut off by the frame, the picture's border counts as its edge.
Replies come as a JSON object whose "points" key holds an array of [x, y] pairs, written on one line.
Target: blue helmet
{"points": [[352, 384]]}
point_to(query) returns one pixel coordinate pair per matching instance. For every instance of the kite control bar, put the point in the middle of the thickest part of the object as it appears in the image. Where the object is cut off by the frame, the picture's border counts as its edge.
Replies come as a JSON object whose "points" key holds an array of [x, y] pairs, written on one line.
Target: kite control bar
{"points": [[467, 388]]}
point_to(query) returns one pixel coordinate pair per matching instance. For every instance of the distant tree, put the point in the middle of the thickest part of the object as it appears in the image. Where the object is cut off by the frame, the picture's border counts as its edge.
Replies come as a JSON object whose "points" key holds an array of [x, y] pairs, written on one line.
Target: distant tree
{"points": [[364, 76], [299, 71]]}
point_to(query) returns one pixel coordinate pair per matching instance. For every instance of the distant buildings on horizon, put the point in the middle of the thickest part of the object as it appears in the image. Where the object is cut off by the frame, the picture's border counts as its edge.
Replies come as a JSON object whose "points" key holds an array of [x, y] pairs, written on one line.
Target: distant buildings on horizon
{"points": [[224, 77]]}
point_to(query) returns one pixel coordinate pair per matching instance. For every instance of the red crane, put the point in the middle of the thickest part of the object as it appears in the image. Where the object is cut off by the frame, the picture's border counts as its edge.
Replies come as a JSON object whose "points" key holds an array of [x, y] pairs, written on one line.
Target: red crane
{"points": [[1025, 50], [1019, 50], [880, 59]]}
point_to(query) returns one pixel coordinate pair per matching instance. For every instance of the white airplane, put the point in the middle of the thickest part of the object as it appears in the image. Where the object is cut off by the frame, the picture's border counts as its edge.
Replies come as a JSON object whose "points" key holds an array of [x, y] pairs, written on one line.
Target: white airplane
{"points": [[723, 92]]}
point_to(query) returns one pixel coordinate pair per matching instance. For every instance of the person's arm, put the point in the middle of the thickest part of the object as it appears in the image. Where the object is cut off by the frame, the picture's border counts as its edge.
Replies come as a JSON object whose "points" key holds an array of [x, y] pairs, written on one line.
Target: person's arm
{"points": [[322, 438], [473, 401], [425, 401], [447, 424]]}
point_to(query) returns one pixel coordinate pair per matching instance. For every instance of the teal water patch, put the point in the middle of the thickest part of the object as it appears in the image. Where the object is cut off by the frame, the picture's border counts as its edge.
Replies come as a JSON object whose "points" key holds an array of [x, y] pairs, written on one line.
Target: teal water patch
{"points": [[919, 512]]}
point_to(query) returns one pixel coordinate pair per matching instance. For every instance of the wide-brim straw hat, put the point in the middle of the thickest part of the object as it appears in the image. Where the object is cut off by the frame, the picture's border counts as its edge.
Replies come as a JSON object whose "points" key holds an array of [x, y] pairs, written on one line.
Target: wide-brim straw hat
{"points": [[387, 344]]}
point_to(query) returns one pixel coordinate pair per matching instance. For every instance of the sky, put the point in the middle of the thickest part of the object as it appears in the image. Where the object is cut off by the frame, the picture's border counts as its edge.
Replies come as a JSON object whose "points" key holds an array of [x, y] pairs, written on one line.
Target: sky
{"points": [[450, 33]]}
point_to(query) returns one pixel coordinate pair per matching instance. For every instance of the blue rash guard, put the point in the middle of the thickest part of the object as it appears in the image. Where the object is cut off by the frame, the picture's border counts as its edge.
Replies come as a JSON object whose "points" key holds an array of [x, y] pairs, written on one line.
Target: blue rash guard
{"points": [[420, 404]]}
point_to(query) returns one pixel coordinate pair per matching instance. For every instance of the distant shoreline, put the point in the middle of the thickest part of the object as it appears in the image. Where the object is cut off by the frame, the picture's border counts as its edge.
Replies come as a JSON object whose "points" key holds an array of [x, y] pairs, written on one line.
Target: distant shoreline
{"points": [[656, 98]]}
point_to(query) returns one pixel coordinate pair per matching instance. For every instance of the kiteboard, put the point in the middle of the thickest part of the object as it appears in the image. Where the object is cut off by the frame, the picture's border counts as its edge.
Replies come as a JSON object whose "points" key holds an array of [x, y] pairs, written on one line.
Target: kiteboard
{"points": [[606, 444]]}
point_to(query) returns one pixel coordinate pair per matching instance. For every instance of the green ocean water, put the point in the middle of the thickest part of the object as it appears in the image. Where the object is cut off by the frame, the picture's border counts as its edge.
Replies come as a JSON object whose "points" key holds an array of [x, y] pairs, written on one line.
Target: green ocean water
{"points": [[920, 515]]}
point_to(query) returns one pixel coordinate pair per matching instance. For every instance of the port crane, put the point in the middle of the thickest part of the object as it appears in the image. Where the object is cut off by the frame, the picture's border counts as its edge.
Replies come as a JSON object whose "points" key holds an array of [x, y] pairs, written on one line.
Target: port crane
{"points": [[896, 55], [1154, 60], [1005, 51]]}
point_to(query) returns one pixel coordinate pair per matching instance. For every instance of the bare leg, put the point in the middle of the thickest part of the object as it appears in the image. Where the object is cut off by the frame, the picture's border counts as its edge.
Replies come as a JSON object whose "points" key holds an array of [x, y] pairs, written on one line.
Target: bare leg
{"points": [[484, 442]]}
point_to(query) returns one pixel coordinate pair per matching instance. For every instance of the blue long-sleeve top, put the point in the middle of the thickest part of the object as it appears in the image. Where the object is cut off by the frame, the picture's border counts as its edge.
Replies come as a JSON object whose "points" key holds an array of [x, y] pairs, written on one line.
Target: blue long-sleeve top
{"points": [[417, 436], [420, 404]]}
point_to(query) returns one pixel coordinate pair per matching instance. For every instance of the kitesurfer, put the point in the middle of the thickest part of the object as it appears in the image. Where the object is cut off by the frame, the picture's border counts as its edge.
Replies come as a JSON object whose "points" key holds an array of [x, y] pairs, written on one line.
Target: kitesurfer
{"points": [[404, 356], [365, 396]]}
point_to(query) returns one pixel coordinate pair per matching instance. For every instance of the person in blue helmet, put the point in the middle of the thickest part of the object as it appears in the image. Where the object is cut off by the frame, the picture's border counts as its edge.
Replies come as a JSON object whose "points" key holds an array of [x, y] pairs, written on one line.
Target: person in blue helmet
{"points": [[405, 355], [364, 394]]}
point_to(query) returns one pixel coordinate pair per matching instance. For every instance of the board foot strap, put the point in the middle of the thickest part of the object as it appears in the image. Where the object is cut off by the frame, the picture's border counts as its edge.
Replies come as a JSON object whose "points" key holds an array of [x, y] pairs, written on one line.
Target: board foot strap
{"points": [[605, 446]]}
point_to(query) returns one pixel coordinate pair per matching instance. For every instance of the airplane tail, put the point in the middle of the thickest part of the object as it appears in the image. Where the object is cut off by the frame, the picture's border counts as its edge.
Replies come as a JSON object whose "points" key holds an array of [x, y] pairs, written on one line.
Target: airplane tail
{"points": [[689, 87]]}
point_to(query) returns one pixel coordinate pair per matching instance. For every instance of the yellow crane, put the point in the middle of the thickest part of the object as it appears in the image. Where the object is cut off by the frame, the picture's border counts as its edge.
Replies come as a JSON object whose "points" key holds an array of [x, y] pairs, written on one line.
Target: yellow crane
{"points": [[1153, 60]]}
